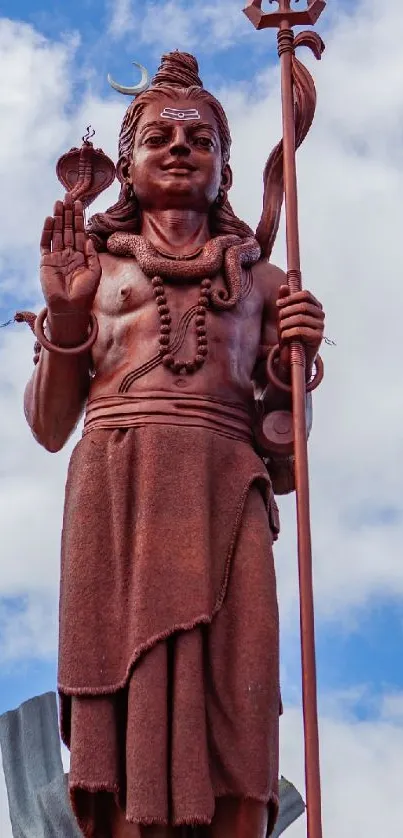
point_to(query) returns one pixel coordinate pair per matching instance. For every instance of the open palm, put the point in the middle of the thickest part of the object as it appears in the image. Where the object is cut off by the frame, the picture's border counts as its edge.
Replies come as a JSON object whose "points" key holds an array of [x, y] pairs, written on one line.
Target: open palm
{"points": [[70, 266]]}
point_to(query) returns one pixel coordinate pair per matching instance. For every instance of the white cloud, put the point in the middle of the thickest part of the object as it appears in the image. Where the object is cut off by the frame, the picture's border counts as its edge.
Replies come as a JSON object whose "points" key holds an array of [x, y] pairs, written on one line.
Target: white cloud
{"points": [[392, 708], [120, 17], [5, 825], [178, 24], [360, 773], [29, 629], [36, 88]]}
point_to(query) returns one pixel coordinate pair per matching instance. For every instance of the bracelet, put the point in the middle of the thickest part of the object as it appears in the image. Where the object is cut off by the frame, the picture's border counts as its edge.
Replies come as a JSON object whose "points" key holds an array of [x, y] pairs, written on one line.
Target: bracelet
{"points": [[287, 388], [65, 350]]}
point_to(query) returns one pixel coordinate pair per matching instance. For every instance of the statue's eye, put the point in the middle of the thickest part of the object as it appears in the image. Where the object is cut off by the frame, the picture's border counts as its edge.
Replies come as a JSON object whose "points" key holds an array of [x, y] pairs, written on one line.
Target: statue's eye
{"points": [[205, 142], [155, 139]]}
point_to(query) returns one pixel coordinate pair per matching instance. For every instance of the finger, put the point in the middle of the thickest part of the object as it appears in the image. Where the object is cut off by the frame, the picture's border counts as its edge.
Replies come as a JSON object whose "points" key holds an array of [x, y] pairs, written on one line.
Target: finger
{"points": [[295, 323], [303, 309], [78, 226], [299, 297], [283, 292], [68, 234], [46, 237], [300, 322], [57, 239], [311, 337]]}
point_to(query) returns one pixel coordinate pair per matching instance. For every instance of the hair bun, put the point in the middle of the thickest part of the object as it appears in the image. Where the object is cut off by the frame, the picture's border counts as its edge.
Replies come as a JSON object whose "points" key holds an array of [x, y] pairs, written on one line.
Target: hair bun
{"points": [[178, 69]]}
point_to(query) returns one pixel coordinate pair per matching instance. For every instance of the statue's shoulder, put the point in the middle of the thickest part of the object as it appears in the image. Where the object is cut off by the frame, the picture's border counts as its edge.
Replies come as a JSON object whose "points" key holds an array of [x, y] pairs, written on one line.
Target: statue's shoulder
{"points": [[110, 262], [268, 278], [119, 271]]}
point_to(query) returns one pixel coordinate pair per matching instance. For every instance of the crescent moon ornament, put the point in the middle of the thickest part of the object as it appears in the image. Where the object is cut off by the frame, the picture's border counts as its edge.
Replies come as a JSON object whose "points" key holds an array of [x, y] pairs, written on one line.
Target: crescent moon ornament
{"points": [[143, 84]]}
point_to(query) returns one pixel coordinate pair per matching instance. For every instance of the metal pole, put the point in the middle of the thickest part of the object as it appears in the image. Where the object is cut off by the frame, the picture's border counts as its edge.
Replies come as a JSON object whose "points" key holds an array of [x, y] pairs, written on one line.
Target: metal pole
{"points": [[284, 19]]}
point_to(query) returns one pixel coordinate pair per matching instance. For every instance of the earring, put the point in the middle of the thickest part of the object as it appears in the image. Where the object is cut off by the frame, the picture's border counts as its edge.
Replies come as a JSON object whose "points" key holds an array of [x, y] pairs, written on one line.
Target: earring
{"points": [[221, 197]]}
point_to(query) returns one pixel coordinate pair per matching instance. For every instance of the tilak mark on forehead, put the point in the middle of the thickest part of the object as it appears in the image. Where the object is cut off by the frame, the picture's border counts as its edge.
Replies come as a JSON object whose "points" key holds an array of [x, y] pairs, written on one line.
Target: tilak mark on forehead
{"points": [[182, 116]]}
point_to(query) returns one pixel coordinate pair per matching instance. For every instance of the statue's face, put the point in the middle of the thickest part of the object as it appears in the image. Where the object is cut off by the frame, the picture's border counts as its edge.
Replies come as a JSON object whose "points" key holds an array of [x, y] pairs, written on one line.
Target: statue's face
{"points": [[176, 162]]}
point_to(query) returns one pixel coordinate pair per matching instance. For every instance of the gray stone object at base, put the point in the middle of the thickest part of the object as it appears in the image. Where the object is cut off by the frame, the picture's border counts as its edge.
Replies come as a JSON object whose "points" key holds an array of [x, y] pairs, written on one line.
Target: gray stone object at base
{"points": [[55, 812], [37, 786], [292, 807]]}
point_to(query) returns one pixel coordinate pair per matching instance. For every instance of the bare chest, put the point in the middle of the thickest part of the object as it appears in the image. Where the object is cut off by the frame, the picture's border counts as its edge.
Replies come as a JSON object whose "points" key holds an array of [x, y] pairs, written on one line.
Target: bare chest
{"points": [[124, 289]]}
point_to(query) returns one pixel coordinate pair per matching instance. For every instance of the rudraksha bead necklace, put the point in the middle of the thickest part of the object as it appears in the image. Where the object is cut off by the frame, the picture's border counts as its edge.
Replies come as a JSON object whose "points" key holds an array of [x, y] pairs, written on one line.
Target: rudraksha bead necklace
{"points": [[168, 359], [227, 254]]}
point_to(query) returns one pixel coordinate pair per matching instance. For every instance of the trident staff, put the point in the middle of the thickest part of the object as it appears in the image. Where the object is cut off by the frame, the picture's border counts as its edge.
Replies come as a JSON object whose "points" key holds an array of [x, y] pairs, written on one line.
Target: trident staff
{"points": [[298, 106]]}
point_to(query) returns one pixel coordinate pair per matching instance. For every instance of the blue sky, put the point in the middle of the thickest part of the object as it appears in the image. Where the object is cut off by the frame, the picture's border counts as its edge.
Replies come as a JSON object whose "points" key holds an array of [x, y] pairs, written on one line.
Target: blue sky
{"points": [[90, 19], [55, 62]]}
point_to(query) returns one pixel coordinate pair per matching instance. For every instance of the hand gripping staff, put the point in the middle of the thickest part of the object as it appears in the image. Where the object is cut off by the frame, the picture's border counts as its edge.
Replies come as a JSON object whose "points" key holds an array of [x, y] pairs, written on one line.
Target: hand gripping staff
{"points": [[298, 98]]}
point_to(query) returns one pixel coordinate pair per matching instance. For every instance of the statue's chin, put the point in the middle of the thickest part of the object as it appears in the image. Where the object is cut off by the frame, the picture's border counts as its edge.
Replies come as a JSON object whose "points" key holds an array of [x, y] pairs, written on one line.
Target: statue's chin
{"points": [[176, 189], [178, 197]]}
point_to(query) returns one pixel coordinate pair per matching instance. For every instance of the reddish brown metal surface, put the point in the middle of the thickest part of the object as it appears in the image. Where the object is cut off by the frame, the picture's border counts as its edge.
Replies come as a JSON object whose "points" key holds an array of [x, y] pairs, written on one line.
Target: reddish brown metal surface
{"points": [[284, 19], [85, 172], [159, 271], [282, 385], [309, 691], [64, 350], [272, 20]]}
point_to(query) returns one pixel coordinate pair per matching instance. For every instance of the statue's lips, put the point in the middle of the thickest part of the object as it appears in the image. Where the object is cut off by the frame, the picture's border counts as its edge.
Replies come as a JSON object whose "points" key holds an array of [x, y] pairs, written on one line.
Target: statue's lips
{"points": [[179, 168]]}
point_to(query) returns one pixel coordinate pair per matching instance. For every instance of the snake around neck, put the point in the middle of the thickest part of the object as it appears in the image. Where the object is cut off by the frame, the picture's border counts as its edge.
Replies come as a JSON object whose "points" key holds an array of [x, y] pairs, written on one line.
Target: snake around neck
{"points": [[229, 254]]}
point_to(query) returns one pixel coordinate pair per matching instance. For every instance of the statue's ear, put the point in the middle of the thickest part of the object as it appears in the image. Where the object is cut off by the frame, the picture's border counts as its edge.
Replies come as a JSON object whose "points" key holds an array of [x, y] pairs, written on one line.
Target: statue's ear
{"points": [[226, 178], [122, 170]]}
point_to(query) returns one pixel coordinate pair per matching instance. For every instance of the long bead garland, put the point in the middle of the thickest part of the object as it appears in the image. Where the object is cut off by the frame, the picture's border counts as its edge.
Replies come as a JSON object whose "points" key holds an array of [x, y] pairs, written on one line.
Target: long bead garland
{"points": [[168, 359]]}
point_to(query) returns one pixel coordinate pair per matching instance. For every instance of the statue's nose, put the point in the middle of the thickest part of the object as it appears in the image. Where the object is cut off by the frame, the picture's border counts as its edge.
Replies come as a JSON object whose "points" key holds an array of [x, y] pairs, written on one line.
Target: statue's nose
{"points": [[180, 143]]}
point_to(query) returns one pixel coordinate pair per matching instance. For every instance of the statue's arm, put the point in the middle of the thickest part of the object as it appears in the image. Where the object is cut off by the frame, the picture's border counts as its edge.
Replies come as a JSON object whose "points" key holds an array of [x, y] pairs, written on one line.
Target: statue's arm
{"points": [[303, 315], [56, 394], [70, 274], [269, 279]]}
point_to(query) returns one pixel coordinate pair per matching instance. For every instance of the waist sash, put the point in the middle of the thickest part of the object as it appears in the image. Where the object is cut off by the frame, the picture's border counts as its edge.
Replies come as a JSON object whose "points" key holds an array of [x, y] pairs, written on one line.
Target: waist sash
{"points": [[229, 419]]}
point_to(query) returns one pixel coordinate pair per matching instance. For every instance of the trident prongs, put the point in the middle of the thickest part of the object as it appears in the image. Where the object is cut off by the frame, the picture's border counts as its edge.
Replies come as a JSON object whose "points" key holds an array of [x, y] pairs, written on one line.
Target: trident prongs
{"points": [[294, 17]]}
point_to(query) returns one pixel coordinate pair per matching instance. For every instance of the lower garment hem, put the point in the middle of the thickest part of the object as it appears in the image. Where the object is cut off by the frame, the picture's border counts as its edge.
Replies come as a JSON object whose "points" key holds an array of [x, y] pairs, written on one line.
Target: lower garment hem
{"points": [[192, 819]]}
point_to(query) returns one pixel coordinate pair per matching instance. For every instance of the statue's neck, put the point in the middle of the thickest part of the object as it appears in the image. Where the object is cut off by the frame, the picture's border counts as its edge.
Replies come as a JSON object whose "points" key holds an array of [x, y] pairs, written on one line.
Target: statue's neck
{"points": [[175, 232]]}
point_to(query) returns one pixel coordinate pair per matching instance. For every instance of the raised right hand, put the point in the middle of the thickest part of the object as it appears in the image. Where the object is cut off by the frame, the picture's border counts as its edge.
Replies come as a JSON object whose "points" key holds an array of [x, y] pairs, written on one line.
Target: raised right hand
{"points": [[70, 269]]}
